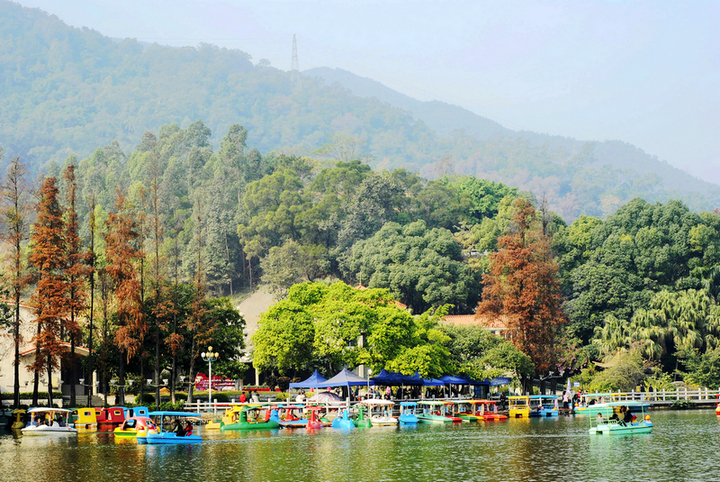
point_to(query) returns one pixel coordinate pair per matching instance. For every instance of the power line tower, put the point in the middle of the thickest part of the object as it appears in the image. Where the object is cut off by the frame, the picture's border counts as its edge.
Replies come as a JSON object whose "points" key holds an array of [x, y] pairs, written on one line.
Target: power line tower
{"points": [[295, 68]]}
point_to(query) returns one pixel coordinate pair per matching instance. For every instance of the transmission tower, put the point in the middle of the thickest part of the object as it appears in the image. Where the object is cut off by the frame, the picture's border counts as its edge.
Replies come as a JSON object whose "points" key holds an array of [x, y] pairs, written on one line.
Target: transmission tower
{"points": [[295, 68]]}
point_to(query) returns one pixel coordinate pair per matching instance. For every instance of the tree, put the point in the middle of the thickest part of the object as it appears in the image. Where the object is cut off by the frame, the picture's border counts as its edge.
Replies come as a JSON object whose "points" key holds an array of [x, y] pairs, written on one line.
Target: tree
{"points": [[290, 264], [523, 287], [75, 274], [123, 256], [422, 267], [16, 212], [49, 260]]}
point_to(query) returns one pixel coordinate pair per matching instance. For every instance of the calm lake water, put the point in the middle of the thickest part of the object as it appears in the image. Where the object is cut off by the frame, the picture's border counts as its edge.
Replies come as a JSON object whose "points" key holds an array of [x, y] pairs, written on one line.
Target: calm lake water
{"points": [[683, 447]]}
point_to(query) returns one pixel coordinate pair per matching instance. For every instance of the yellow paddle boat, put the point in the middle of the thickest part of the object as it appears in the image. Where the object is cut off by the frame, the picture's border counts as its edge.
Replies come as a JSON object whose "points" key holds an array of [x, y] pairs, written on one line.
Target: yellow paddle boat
{"points": [[519, 406]]}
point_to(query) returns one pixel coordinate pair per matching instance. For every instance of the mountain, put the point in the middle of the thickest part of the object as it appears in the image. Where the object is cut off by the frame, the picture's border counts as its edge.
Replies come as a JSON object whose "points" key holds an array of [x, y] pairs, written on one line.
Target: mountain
{"points": [[70, 90], [445, 118]]}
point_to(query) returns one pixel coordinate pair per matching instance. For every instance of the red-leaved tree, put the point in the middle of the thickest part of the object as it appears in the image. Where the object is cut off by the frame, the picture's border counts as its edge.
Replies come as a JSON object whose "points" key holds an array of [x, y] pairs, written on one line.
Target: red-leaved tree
{"points": [[123, 257], [48, 258], [522, 287]]}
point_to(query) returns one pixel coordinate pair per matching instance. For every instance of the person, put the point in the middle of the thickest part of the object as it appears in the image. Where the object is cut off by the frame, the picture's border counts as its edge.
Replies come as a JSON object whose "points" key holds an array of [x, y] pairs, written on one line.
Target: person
{"points": [[301, 397], [615, 418], [243, 398], [565, 401], [503, 400], [188, 429], [179, 430], [255, 398], [628, 416]]}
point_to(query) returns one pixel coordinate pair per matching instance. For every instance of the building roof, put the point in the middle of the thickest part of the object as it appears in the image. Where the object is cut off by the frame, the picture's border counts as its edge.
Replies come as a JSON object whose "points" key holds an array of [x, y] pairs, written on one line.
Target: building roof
{"points": [[79, 350]]}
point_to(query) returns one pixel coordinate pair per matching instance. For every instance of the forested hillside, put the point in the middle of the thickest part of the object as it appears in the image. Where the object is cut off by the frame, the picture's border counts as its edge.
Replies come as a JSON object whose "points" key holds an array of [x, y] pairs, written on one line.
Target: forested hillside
{"points": [[70, 90]]}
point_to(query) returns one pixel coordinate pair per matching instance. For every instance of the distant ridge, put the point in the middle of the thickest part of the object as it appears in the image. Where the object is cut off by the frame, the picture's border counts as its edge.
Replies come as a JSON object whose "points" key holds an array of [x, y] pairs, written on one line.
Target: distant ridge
{"points": [[445, 118]]}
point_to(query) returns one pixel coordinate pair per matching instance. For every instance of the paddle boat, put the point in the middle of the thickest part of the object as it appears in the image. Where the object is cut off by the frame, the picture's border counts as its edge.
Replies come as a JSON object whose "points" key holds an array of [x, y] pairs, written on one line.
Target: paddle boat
{"points": [[110, 418], [717, 407], [487, 410], [361, 420], [407, 413], [18, 419], [85, 419], [160, 436], [435, 411], [624, 423], [343, 420], [519, 406], [544, 406], [314, 422], [250, 418], [287, 417], [465, 410], [380, 411], [49, 421], [135, 427]]}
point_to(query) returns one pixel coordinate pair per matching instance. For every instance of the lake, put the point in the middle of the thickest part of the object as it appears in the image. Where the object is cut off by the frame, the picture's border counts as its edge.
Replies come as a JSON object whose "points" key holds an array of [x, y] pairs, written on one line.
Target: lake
{"points": [[681, 447]]}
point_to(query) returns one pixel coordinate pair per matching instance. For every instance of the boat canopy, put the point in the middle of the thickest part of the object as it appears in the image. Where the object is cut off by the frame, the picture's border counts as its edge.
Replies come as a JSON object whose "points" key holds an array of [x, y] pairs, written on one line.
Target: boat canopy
{"points": [[408, 404], [346, 378], [163, 413], [312, 381], [51, 409]]}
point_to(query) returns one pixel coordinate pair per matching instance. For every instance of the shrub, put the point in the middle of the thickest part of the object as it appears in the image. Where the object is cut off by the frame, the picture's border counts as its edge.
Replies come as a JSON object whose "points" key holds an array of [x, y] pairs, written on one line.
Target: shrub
{"points": [[148, 399]]}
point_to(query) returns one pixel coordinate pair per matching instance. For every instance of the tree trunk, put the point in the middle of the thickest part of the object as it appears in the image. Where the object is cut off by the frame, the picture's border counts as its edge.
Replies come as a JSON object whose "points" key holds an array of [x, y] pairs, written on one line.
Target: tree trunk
{"points": [[120, 398], [16, 337], [50, 385], [36, 378]]}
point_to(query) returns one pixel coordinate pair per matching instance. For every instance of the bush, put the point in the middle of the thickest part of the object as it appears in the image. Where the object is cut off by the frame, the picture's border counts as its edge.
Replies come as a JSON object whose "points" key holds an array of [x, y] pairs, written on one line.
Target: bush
{"points": [[283, 383], [171, 407], [148, 399], [681, 404]]}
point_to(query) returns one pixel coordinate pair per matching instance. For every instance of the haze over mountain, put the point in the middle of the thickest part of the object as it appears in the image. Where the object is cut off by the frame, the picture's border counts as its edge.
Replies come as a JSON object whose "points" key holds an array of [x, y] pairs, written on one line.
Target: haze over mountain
{"points": [[73, 90]]}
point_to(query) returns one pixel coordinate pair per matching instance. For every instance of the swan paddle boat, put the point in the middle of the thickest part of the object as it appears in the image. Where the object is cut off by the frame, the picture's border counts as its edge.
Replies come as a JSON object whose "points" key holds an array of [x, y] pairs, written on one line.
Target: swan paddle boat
{"points": [[163, 419], [622, 424], [362, 421], [519, 406], [544, 406], [314, 421], [407, 413], [18, 420], [717, 407], [380, 411], [49, 421], [343, 420]]}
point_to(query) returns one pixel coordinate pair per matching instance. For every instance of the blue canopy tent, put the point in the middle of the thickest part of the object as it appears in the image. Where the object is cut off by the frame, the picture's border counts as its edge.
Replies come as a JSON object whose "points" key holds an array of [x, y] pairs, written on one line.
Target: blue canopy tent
{"points": [[394, 379], [428, 382], [346, 378], [311, 382]]}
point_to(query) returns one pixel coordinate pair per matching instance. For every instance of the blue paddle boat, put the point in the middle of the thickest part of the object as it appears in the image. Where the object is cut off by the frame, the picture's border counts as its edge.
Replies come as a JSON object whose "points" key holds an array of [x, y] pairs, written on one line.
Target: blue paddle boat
{"points": [[343, 421], [407, 412], [163, 421]]}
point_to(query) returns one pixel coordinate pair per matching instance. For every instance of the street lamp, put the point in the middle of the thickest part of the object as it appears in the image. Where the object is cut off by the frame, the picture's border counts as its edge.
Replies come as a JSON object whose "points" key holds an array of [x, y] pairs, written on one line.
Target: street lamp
{"points": [[210, 357]]}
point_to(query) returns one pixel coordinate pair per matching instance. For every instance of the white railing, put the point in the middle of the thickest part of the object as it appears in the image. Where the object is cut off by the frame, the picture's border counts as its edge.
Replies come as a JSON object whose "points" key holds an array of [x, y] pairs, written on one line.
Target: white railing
{"points": [[698, 395]]}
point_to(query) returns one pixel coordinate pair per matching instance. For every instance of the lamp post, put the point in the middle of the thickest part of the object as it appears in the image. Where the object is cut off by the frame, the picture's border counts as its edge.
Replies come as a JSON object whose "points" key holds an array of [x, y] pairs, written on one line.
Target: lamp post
{"points": [[210, 357], [369, 372]]}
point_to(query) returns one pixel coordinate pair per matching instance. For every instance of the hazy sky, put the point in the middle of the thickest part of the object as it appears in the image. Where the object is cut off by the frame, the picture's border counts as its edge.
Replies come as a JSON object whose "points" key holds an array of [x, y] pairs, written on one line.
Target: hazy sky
{"points": [[647, 73]]}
